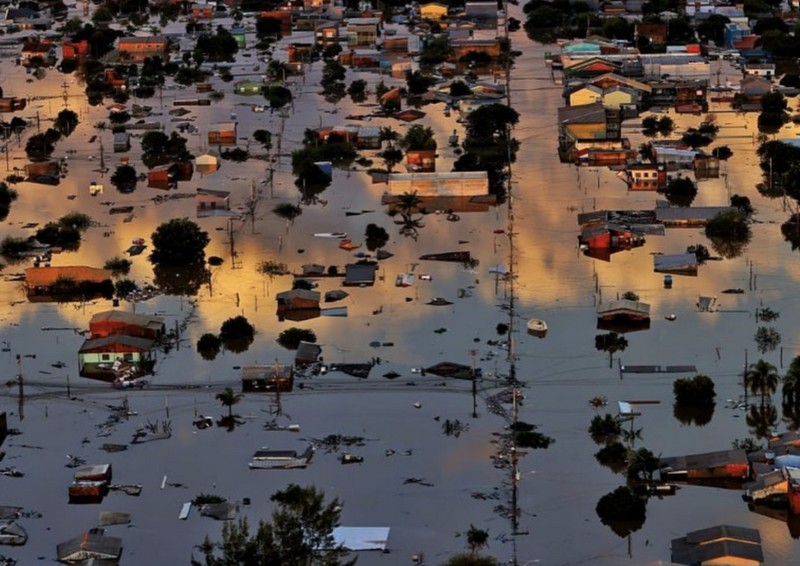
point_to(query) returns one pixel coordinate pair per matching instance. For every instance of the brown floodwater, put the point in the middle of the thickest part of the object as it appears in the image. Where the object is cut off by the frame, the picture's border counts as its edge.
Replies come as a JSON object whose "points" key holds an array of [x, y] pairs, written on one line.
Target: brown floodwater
{"points": [[558, 487]]}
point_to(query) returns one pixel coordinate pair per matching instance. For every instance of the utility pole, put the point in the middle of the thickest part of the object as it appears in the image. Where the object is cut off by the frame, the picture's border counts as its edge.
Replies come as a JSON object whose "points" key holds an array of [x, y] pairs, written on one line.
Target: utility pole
{"points": [[21, 409], [472, 354]]}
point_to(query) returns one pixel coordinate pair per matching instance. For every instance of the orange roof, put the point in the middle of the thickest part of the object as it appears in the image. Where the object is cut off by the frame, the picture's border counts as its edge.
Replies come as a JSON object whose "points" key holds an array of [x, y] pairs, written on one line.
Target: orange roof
{"points": [[46, 276]]}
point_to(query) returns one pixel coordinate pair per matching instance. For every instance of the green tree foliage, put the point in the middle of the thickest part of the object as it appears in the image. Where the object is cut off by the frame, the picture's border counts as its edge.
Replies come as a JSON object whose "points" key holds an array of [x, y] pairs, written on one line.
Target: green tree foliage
{"points": [[610, 342], [118, 266], [618, 28], [159, 148], [680, 191], [742, 203], [622, 504], [697, 390], [700, 252], [729, 233], [723, 152], [391, 156], [605, 429], [40, 146], [278, 96], [713, 28], [630, 296], [490, 121], [264, 137], [299, 533], [178, 242], [435, 51], [236, 328], [208, 345], [791, 384], [228, 397], [66, 121], [357, 91], [614, 456], [125, 178], [652, 126], [272, 268], [643, 464], [288, 211], [418, 83], [291, 337], [418, 137], [767, 339], [791, 231], [526, 436], [7, 196], [220, 46], [460, 88], [468, 560], [376, 237], [762, 379]]}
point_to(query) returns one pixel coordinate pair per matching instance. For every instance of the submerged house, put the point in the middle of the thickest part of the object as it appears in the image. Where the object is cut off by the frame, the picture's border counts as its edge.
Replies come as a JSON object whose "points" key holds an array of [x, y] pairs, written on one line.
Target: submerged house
{"points": [[360, 274], [211, 202], [106, 358], [91, 545], [73, 283], [111, 323], [276, 377], [720, 465], [298, 304], [723, 544], [623, 314]]}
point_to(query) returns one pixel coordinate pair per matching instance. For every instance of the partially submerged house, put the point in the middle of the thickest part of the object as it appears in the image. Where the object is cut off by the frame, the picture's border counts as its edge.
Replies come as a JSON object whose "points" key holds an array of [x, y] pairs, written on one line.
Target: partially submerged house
{"points": [[723, 544], [211, 202], [298, 304], [307, 353], [222, 133], [111, 323], [449, 184], [137, 49], [623, 314], [720, 465], [72, 283], [360, 274], [275, 377], [91, 545], [676, 264], [110, 357], [688, 216]]}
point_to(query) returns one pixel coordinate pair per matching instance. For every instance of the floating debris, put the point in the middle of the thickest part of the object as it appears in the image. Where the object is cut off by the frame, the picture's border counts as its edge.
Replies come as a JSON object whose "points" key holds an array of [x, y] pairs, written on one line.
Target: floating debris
{"points": [[417, 481]]}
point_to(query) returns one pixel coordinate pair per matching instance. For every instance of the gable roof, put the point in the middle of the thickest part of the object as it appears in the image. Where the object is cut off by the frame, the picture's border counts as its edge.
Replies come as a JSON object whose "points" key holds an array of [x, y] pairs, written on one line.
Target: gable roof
{"points": [[47, 276], [129, 343], [89, 545], [607, 79], [582, 114], [144, 320]]}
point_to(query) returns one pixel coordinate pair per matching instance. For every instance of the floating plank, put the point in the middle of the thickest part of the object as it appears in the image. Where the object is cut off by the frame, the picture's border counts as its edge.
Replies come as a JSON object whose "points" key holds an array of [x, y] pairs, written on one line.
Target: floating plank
{"points": [[184, 514]]}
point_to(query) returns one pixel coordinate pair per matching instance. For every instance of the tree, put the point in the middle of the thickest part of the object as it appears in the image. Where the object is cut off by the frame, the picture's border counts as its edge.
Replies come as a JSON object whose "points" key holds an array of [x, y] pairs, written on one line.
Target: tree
{"points": [[66, 122], [729, 233], [7, 196], [264, 137], [39, 146], [791, 384], [288, 211], [491, 121], [610, 342], [391, 157], [208, 345], [375, 237], [622, 504], [767, 339], [418, 83], [278, 96], [761, 378], [357, 91], [476, 539], [630, 296], [681, 191], [178, 242], [228, 397], [643, 464], [723, 152], [118, 265], [125, 178], [237, 328], [291, 337], [695, 391], [418, 138], [605, 429], [299, 533]]}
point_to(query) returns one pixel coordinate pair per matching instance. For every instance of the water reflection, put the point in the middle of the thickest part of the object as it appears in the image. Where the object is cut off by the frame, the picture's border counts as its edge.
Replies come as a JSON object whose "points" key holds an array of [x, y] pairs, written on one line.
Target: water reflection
{"points": [[185, 280], [690, 415], [761, 420]]}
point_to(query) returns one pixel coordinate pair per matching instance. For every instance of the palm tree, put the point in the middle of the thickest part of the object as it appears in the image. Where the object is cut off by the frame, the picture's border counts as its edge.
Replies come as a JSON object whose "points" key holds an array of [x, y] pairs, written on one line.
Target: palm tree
{"points": [[761, 379], [228, 397], [762, 420], [610, 342], [476, 540], [791, 384], [407, 202]]}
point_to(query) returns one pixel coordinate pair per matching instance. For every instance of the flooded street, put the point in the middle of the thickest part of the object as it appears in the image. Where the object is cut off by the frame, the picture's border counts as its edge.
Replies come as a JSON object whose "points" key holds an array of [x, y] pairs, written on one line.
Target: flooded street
{"points": [[454, 483]]}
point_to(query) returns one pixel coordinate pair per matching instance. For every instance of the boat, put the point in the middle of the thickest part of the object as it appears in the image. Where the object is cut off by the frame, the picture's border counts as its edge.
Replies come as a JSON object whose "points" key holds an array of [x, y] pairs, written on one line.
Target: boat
{"points": [[671, 317], [339, 235], [439, 302], [348, 245], [537, 327], [265, 459], [348, 458], [12, 534], [447, 256]]}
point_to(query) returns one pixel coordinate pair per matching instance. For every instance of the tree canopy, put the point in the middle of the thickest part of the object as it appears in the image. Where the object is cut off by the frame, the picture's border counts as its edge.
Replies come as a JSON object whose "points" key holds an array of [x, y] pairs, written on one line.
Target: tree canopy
{"points": [[299, 533], [179, 242]]}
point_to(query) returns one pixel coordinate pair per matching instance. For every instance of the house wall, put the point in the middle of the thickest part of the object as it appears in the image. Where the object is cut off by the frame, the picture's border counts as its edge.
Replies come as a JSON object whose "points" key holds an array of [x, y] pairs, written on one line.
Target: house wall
{"points": [[618, 98], [584, 96], [433, 187], [596, 130], [105, 328], [109, 357], [224, 137]]}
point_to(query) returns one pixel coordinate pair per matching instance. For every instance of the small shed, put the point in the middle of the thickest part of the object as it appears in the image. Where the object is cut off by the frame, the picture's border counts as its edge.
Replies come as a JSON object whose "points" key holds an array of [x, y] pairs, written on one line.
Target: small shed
{"points": [[248, 88], [368, 137], [623, 314], [276, 377], [90, 545], [122, 142], [222, 133], [212, 202]]}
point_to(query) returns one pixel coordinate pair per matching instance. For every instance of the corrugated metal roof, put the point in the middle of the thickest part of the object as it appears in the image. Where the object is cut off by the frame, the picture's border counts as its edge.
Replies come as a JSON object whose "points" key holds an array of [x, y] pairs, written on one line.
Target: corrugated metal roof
{"points": [[95, 344], [46, 276], [127, 317], [89, 545]]}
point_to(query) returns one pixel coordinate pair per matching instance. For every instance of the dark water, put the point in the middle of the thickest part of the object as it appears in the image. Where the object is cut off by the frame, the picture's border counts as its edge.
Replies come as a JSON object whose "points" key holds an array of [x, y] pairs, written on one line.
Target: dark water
{"points": [[559, 487]]}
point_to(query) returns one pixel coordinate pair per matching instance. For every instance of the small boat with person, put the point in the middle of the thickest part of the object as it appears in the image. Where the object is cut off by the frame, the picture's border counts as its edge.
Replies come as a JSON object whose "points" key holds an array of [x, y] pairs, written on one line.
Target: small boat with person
{"points": [[537, 327]]}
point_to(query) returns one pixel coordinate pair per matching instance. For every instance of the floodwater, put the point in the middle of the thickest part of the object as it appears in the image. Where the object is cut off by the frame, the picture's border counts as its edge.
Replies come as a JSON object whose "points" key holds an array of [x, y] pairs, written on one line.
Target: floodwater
{"points": [[558, 487]]}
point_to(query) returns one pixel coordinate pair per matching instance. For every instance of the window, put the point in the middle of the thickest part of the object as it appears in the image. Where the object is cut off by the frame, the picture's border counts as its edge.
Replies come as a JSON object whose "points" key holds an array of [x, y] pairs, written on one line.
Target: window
{"points": [[105, 357]]}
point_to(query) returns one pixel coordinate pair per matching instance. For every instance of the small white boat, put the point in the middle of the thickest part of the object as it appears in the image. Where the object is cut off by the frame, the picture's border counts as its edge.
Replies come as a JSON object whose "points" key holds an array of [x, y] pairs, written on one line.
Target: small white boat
{"points": [[339, 235], [537, 327], [671, 317]]}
